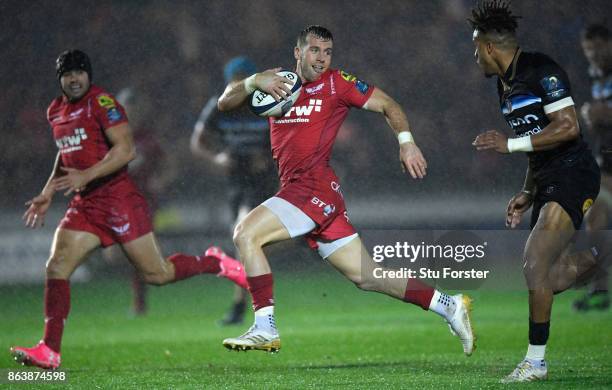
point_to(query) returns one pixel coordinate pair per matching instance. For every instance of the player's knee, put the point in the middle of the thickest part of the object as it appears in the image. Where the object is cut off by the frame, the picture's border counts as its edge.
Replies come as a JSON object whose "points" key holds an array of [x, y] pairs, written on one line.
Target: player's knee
{"points": [[244, 237], [155, 279], [364, 284], [56, 268], [535, 275]]}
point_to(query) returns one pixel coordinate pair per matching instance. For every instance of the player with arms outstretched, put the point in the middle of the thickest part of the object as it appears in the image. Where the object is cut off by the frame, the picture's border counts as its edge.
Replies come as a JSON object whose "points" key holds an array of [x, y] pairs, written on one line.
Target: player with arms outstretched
{"points": [[310, 201], [562, 178], [95, 145]]}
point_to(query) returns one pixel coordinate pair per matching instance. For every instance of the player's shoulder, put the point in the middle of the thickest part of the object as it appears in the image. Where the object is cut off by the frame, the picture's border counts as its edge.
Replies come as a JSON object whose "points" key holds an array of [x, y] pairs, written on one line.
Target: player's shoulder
{"points": [[102, 97], [54, 107], [343, 75], [538, 61], [348, 80]]}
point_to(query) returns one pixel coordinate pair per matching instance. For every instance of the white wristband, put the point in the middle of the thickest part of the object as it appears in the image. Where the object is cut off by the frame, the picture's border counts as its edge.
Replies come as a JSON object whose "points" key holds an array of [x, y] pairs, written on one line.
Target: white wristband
{"points": [[521, 144], [249, 84], [405, 136]]}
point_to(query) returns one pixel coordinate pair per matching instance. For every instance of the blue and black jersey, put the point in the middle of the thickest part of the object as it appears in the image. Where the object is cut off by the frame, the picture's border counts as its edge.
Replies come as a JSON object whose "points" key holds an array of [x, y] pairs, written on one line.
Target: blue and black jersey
{"points": [[534, 86], [246, 138], [239, 132]]}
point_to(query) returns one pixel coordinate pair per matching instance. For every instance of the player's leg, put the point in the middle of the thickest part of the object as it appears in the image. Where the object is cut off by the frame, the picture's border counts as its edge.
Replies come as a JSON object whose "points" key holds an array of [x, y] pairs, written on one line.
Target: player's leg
{"points": [[144, 253], [68, 251], [235, 314], [113, 255], [139, 294], [596, 222], [273, 221], [349, 256], [549, 238]]}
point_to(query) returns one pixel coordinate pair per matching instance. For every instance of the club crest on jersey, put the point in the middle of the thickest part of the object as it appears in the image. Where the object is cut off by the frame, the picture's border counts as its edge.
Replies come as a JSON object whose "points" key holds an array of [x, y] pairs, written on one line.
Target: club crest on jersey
{"points": [[71, 143], [553, 86], [75, 114], [121, 230]]}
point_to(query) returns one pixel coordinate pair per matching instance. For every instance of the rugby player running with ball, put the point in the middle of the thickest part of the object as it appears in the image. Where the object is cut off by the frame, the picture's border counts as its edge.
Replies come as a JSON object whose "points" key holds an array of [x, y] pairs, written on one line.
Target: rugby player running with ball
{"points": [[310, 201]]}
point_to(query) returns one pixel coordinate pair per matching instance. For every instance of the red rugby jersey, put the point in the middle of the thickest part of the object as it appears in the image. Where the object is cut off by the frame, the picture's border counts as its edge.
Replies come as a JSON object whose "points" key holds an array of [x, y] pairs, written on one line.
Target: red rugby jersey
{"points": [[303, 138], [78, 129]]}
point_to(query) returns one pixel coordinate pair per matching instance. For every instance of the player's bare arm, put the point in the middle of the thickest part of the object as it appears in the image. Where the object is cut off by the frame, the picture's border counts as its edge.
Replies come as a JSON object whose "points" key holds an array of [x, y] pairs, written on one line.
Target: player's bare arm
{"points": [[37, 207], [411, 158], [202, 146], [563, 127], [121, 153], [521, 202], [268, 81]]}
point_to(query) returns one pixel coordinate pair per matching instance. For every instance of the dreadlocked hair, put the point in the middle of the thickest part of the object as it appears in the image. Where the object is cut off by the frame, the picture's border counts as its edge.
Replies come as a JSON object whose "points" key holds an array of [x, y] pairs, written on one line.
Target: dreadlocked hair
{"points": [[494, 15]]}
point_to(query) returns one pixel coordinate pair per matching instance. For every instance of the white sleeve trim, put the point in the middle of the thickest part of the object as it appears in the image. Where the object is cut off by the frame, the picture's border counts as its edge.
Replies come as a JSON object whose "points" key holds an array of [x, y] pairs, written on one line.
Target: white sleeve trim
{"points": [[558, 105]]}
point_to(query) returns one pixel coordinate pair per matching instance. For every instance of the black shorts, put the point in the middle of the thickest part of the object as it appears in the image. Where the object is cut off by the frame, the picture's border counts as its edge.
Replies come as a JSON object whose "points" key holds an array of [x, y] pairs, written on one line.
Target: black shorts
{"points": [[573, 182]]}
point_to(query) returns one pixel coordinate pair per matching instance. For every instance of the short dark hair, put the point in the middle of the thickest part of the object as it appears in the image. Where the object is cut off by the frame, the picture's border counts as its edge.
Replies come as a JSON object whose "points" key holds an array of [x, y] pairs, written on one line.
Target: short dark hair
{"points": [[316, 31], [594, 31], [495, 20]]}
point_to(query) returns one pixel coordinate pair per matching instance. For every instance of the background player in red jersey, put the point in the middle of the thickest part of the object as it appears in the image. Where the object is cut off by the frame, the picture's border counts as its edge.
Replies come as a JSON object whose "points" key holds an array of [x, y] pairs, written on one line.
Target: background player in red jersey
{"points": [[310, 201], [95, 145]]}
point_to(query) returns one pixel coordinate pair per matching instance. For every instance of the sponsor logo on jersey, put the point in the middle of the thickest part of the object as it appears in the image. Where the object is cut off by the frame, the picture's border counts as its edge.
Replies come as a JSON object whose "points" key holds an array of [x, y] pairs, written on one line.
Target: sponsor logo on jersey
{"points": [[328, 208], [553, 86], [314, 105], [587, 205], [71, 143], [348, 77], [113, 115], [315, 89], [528, 119], [362, 86], [106, 101], [336, 187], [520, 101], [520, 121]]}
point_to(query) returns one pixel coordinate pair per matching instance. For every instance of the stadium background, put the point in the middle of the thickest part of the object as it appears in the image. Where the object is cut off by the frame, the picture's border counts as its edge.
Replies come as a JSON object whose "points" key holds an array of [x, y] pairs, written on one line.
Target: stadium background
{"points": [[419, 52]]}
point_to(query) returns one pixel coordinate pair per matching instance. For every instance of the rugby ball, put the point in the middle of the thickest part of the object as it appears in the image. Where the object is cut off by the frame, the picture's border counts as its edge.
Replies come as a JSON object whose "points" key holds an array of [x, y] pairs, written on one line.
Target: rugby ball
{"points": [[263, 104]]}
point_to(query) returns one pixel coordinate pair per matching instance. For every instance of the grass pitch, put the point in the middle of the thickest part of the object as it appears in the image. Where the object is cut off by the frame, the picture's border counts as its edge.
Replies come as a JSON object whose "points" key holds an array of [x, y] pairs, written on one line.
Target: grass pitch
{"points": [[332, 336]]}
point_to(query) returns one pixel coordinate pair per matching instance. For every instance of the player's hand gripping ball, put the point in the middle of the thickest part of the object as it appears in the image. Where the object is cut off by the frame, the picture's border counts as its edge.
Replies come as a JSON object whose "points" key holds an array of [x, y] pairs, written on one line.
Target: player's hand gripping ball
{"points": [[263, 104]]}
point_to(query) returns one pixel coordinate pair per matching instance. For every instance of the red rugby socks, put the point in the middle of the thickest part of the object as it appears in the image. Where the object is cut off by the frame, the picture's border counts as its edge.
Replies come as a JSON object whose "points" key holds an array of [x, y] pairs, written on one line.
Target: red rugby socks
{"points": [[186, 266], [419, 293], [260, 288], [57, 307]]}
